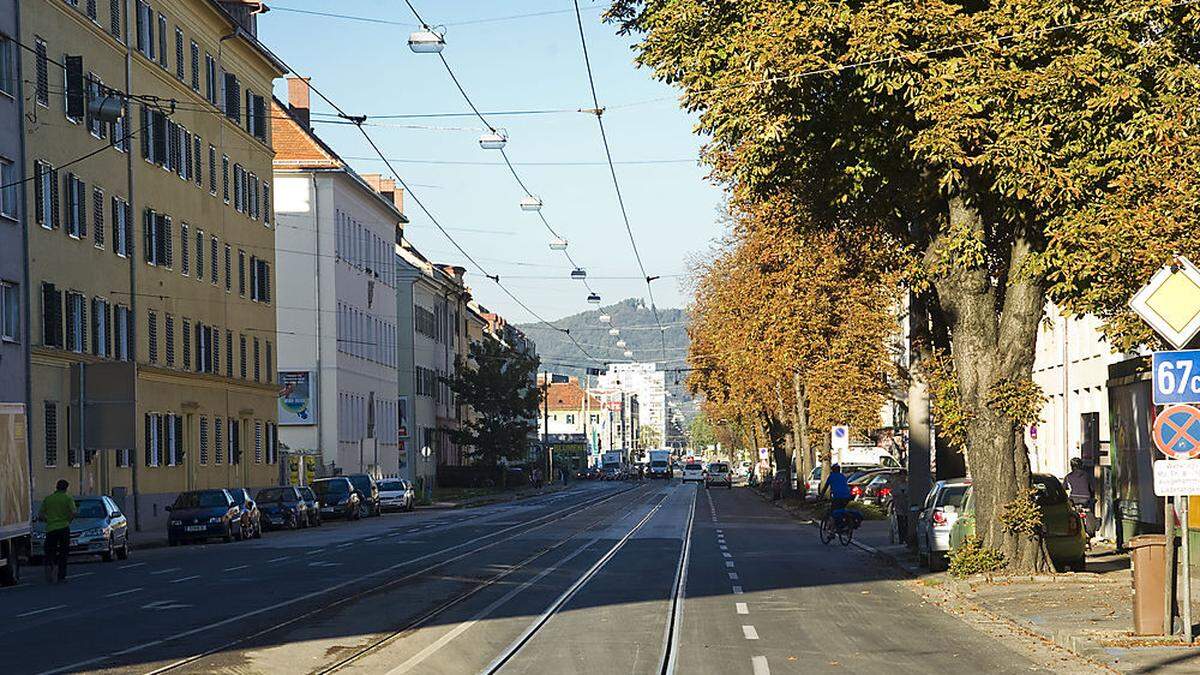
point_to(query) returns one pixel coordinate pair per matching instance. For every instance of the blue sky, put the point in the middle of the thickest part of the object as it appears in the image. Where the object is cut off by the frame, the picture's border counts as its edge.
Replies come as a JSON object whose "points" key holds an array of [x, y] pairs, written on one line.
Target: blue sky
{"points": [[527, 63]]}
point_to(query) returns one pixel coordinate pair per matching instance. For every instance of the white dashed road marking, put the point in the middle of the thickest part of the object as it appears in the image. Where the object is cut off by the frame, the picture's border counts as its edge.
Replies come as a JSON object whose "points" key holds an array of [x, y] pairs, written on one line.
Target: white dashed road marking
{"points": [[759, 663], [737, 590], [733, 576], [727, 555], [742, 608], [41, 611], [749, 632], [120, 593], [282, 557], [729, 563], [180, 581], [235, 568], [125, 567], [168, 570]]}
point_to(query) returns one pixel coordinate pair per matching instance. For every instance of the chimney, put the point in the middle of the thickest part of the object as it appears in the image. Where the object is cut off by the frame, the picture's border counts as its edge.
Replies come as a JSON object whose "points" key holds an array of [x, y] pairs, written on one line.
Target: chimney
{"points": [[298, 100], [245, 13]]}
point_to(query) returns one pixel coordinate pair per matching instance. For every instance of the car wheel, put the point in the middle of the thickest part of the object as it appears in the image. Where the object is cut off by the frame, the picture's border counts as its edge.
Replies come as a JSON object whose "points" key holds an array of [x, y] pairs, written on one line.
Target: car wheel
{"points": [[938, 561], [258, 530], [123, 553], [229, 532], [10, 574], [110, 554], [922, 553]]}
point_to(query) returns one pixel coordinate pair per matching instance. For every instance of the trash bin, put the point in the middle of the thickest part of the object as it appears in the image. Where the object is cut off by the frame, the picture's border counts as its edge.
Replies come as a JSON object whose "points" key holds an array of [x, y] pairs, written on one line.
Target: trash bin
{"points": [[1148, 552]]}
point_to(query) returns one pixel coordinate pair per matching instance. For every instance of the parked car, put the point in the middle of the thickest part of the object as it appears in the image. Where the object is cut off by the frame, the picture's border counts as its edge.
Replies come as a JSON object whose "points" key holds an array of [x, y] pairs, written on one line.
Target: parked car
{"points": [[368, 494], [251, 517], [99, 528], [338, 498], [859, 480], [1066, 540], [881, 486], [198, 515], [693, 471], [610, 473], [396, 493], [282, 508], [935, 519], [718, 474], [851, 471], [312, 505]]}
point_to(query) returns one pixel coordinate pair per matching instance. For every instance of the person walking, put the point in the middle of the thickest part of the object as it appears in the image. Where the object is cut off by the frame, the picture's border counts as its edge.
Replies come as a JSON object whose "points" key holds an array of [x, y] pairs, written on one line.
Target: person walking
{"points": [[1082, 493], [58, 510]]}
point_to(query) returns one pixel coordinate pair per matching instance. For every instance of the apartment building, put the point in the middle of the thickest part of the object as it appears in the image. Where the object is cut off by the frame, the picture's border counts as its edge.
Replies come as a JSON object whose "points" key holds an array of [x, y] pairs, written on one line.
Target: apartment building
{"points": [[14, 335], [151, 248], [649, 386], [336, 231]]}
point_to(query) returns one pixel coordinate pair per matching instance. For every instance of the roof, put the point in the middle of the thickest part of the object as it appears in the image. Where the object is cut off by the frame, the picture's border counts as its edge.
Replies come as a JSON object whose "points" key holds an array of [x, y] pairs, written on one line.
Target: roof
{"points": [[251, 40], [567, 396], [297, 148]]}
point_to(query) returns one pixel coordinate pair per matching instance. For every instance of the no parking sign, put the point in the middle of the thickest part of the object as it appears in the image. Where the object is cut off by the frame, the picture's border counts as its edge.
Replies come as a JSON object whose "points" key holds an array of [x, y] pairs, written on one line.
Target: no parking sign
{"points": [[1177, 432]]}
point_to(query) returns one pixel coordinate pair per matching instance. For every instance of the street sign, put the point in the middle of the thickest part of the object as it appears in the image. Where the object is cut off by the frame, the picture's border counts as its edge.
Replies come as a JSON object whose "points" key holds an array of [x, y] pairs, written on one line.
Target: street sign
{"points": [[1170, 302], [764, 453], [839, 438], [1177, 432], [1177, 377], [1174, 477]]}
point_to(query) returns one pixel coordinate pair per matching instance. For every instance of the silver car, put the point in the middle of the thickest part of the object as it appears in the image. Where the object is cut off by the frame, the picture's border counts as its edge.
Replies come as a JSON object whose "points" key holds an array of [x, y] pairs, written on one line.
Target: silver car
{"points": [[396, 494], [99, 528], [936, 518]]}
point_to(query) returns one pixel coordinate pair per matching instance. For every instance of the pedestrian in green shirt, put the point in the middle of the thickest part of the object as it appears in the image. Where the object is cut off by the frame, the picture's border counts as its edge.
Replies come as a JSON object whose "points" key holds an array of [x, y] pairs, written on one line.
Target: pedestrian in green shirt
{"points": [[58, 510]]}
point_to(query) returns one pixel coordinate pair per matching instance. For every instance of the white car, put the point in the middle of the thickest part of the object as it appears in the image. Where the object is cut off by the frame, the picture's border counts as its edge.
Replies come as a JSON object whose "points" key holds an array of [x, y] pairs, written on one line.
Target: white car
{"points": [[935, 520], [718, 474], [396, 494], [693, 471]]}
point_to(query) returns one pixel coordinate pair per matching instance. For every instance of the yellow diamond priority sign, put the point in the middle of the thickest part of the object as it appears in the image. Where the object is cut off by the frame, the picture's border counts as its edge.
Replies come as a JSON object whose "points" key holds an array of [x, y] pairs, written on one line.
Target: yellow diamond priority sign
{"points": [[1170, 303]]}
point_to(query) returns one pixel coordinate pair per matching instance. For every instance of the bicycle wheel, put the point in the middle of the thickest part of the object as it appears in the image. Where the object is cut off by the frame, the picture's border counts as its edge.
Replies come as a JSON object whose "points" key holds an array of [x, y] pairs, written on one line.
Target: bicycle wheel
{"points": [[845, 535], [827, 533]]}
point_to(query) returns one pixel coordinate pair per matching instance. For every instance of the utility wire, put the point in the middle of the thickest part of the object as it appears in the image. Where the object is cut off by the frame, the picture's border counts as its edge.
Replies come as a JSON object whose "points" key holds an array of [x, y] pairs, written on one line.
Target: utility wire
{"points": [[599, 112]]}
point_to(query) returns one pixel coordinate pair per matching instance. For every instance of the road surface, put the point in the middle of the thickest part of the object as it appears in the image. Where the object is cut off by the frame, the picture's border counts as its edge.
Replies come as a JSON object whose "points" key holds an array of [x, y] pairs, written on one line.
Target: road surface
{"points": [[646, 577]]}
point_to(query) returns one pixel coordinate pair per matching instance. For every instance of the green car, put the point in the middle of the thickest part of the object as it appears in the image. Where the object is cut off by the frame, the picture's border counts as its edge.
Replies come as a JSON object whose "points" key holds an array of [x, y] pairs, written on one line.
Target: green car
{"points": [[1065, 539]]}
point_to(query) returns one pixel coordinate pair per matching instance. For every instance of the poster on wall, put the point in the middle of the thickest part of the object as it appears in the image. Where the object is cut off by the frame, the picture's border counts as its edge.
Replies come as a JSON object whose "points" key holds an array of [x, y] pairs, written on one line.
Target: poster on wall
{"points": [[296, 404], [402, 409]]}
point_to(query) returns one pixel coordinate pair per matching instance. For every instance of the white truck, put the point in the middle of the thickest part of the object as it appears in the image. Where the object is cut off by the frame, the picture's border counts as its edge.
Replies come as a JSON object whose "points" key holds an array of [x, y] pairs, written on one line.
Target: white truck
{"points": [[15, 497], [611, 465], [660, 464], [864, 454]]}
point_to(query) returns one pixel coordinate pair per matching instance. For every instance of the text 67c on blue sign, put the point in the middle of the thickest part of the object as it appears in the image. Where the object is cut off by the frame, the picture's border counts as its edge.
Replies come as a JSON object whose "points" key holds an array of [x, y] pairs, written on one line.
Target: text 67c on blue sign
{"points": [[1177, 377]]}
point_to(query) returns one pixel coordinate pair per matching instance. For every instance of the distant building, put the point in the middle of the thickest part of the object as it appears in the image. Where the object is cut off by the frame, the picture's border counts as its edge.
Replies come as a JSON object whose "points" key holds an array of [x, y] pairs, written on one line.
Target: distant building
{"points": [[648, 384], [337, 303], [14, 332]]}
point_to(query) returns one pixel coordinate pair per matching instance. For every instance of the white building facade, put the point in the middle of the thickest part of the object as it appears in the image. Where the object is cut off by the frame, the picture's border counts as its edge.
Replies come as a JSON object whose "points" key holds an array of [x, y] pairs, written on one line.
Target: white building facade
{"points": [[336, 303], [649, 385]]}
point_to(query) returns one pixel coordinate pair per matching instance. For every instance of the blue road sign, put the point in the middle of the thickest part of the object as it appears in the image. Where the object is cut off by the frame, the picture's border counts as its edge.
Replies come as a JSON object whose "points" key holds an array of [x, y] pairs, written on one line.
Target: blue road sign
{"points": [[1177, 377]]}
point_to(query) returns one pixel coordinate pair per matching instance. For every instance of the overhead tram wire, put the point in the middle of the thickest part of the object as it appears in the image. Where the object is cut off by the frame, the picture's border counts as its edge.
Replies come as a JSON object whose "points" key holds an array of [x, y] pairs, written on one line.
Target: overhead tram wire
{"points": [[432, 218], [507, 162], [599, 112]]}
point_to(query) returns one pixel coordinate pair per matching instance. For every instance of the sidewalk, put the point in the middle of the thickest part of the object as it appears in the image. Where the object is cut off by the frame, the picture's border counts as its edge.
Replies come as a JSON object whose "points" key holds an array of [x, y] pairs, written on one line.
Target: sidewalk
{"points": [[1089, 613]]}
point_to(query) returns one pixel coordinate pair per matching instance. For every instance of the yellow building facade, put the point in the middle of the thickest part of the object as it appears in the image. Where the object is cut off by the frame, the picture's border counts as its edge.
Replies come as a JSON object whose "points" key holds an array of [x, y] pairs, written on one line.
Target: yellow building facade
{"points": [[151, 249]]}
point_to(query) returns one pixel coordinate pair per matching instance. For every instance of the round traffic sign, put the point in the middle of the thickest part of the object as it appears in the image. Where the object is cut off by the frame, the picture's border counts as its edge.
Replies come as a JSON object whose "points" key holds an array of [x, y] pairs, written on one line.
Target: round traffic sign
{"points": [[1177, 432]]}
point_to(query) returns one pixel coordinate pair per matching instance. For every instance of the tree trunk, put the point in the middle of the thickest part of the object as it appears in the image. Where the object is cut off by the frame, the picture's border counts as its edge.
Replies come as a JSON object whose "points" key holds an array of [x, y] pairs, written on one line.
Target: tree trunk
{"points": [[994, 327], [803, 442]]}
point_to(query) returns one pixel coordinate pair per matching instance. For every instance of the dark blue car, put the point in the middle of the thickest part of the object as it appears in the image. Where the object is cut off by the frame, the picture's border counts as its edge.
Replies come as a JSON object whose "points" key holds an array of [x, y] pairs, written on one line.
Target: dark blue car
{"points": [[199, 515], [282, 508]]}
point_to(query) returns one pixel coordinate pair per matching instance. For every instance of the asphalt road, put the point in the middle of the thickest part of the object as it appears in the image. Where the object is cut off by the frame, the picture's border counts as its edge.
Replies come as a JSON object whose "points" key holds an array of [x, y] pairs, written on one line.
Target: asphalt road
{"points": [[603, 578]]}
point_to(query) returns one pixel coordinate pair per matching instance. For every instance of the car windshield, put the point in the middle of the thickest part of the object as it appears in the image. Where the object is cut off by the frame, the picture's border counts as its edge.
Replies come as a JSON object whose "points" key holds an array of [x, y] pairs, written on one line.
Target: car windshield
{"points": [[361, 483], [693, 467], [658, 462], [90, 508], [276, 495], [331, 487], [953, 495], [307, 493], [205, 499], [1049, 491], [879, 479], [718, 468], [391, 486]]}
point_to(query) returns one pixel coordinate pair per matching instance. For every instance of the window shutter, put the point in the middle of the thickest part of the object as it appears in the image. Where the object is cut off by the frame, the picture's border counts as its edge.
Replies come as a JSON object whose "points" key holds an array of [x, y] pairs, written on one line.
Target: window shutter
{"points": [[148, 235], [149, 424], [96, 327], [178, 438], [39, 206], [260, 116], [108, 336], [71, 317], [76, 106], [145, 131], [114, 18], [253, 278], [165, 238], [81, 205], [98, 216], [116, 221], [54, 219]]}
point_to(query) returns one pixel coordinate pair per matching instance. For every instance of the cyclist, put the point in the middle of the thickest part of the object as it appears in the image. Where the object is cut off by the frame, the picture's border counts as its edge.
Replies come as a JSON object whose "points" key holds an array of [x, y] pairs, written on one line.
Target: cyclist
{"points": [[839, 492]]}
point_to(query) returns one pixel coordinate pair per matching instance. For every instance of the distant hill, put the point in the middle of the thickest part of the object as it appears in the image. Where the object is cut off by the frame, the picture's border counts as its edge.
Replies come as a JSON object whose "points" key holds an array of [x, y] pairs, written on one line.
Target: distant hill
{"points": [[635, 320]]}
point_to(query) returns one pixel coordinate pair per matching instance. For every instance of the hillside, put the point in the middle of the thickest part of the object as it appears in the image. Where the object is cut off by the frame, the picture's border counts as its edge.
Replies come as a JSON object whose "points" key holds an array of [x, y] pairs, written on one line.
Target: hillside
{"points": [[636, 323]]}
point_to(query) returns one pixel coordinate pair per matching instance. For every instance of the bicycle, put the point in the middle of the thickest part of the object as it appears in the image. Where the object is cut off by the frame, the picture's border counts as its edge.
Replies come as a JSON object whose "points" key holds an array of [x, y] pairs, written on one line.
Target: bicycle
{"points": [[841, 525]]}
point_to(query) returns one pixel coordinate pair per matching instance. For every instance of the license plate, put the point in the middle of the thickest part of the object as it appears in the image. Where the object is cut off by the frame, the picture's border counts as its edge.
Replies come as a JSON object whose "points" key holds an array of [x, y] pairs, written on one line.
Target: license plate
{"points": [[195, 528]]}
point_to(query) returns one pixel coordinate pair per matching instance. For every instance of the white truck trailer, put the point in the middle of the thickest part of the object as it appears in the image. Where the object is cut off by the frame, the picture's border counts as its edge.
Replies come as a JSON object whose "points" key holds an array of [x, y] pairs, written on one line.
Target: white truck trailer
{"points": [[660, 464], [15, 496]]}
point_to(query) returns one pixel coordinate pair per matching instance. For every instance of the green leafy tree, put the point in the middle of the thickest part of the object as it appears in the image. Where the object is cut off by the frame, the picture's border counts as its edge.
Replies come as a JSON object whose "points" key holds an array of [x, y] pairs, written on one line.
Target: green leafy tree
{"points": [[649, 437], [498, 386], [1006, 153], [700, 433]]}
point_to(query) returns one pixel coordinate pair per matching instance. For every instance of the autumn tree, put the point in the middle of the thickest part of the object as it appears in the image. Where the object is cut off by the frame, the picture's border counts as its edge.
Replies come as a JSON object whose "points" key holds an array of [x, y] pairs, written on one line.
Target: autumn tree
{"points": [[1008, 153]]}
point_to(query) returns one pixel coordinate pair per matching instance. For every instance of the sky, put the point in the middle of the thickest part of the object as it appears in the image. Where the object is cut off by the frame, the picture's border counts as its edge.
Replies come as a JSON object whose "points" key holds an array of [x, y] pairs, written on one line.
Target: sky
{"points": [[525, 63]]}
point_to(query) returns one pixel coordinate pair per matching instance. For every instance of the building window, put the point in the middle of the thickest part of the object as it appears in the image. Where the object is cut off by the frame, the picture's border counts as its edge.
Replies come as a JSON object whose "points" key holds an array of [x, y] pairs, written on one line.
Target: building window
{"points": [[200, 255], [122, 237], [228, 353], [257, 363], [152, 334], [187, 345], [179, 53], [203, 440], [239, 196], [45, 195], [76, 322], [185, 246], [10, 185], [233, 98], [242, 356], [218, 448], [169, 334], [235, 442], [123, 319], [214, 344], [120, 130], [241, 273], [212, 260], [225, 176], [256, 116], [7, 66], [116, 27], [95, 88], [101, 328], [98, 217], [157, 237], [210, 78], [162, 40], [50, 425], [91, 9], [266, 203], [43, 72], [76, 208], [195, 61], [10, 311], [212, 170], [228, 268], [258, 442], [198, 161], [270, 363]]}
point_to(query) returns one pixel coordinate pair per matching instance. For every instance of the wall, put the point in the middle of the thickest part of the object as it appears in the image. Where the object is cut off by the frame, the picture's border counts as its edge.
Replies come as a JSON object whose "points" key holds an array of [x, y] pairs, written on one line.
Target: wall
{"points": [[14, 338]]}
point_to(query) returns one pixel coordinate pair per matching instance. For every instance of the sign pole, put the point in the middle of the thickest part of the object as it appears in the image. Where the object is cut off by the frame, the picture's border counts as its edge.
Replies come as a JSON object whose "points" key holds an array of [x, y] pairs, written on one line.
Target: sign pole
{"points": [[1169, 575], [1187, 569]]}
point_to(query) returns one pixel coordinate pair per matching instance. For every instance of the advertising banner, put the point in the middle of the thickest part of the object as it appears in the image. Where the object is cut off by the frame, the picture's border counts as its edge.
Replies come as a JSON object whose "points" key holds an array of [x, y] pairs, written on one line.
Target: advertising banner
{"points": [[297, 407]]}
